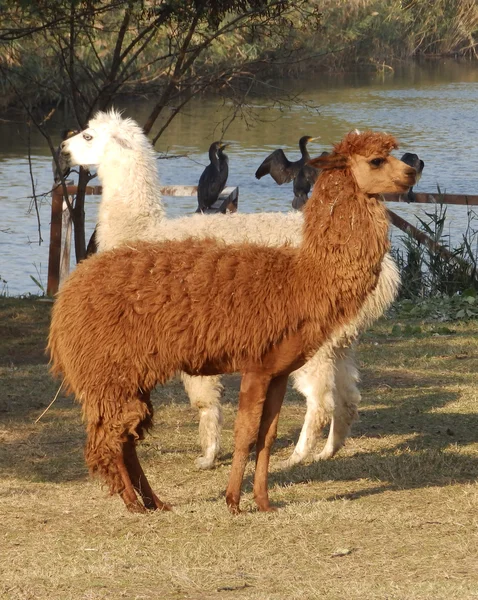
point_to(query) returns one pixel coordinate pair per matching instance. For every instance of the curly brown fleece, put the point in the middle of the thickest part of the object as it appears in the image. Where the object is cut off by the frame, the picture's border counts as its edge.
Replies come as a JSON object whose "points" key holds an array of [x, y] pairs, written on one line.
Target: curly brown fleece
{"points": [[132, 317]]}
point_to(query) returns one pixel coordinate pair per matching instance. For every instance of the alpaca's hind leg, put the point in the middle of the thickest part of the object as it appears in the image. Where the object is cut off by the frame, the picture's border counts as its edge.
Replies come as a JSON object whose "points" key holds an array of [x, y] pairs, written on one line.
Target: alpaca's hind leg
{"points": [[205, 394], [265, 439], [138, 478], [110, 448], [105, 456], [347, 399], [246, 429], [316, 381], [128, 493]]}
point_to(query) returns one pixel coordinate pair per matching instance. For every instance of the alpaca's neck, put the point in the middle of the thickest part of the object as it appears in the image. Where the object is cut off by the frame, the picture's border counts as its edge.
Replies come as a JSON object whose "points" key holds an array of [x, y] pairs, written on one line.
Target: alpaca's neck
{"points": [[131, 204], [345, 240]]}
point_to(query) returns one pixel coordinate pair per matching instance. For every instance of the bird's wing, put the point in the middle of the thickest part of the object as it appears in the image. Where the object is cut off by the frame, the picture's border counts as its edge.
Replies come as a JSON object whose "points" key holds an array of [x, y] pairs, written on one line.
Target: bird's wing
{"points": [[223, 175], [311, 173], [277, 166], [209, 186]]}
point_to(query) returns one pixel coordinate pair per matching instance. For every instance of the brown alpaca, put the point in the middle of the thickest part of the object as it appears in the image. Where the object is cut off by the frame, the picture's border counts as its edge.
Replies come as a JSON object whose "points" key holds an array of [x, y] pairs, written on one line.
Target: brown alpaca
{"points": [[132, 317]]}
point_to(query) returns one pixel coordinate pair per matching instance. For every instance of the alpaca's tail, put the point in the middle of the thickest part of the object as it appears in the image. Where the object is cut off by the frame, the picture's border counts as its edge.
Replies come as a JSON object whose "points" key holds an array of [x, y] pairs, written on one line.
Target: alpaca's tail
{"points": [[55, 362]]}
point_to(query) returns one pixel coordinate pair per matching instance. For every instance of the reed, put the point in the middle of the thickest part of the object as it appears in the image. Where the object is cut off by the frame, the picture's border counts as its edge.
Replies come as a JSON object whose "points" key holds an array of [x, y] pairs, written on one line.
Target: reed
{"points": [[450, 285]]}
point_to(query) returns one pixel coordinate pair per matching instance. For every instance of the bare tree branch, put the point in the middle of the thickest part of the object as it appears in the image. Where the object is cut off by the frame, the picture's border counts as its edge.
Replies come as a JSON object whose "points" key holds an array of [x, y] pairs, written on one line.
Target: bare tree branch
{"points": [[35, 202]]}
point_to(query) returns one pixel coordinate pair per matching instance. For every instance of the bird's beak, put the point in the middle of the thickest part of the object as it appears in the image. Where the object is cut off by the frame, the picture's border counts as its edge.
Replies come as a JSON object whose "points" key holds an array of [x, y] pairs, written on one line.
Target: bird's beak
{"points": [[314, 138], [222, 146]]}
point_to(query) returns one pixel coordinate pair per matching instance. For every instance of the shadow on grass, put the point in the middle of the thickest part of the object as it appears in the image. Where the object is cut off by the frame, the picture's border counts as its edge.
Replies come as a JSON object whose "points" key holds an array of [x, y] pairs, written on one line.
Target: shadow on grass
{"points": [[52, 450], [428, 453], [400, 468]]}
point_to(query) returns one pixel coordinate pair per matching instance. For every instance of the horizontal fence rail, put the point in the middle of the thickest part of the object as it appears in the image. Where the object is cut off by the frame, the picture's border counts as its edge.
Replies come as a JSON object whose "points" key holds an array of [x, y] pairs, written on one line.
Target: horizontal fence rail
{"points": [[60, 227], [435, 198]]}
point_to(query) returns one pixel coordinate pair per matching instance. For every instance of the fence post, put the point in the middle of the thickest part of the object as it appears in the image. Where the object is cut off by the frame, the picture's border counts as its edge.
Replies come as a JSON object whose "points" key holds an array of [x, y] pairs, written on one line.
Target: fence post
{"points": [[54, 255], [65, 243]]}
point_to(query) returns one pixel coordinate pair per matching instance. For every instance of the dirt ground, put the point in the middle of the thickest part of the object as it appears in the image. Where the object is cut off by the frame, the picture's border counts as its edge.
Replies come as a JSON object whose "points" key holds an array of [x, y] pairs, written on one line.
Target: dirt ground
{"points": [[393, 516]]}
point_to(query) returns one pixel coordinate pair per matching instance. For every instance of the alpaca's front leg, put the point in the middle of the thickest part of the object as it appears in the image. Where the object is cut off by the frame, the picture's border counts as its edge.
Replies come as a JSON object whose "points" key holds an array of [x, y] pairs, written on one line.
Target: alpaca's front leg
{"points": [[316, 381], [347, 398], [205, 394], [246, 429], [265, 439]]}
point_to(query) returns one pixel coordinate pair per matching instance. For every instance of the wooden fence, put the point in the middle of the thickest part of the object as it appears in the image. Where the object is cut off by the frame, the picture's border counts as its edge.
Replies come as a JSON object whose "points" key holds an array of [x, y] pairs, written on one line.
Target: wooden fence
{"points": [[61, 224], [60, 228]]}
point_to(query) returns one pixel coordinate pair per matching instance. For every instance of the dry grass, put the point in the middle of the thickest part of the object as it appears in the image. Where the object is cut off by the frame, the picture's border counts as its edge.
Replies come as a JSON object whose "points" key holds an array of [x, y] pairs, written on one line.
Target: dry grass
{"points": [[394, 515]]}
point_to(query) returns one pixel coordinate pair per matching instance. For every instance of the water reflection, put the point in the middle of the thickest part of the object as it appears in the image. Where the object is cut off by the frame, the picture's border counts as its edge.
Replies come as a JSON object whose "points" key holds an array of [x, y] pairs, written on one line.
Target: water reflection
{"points": [[432, 109]]}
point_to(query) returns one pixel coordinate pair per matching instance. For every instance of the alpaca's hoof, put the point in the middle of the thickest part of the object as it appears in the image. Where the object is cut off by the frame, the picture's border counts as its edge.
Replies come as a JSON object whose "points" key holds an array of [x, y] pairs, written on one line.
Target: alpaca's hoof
{"points": [[232, 504], [156, 504], [294, 459], [205, 462], [326, 453], [268, 508], [135, 507]]}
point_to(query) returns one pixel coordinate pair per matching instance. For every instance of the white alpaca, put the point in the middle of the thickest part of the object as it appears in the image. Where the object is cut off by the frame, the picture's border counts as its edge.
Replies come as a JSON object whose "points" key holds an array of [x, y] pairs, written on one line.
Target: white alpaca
{"points": [[131, 209]]}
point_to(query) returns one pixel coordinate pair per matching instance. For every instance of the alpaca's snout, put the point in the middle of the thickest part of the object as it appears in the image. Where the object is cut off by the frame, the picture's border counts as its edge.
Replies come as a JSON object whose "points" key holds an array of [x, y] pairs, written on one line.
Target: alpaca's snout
{"points": [[65, 152]]}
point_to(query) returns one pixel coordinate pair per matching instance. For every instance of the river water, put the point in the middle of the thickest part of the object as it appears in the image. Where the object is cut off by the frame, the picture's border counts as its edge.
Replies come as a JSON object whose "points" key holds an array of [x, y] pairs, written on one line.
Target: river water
{"points": [[432, 109]]}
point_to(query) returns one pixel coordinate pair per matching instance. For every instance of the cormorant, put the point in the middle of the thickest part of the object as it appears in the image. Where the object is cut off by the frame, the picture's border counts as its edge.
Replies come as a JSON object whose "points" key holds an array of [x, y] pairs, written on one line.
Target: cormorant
{"points": [[279, 167], [303, 182], [214, 177], [62, 160], [414, 161]]}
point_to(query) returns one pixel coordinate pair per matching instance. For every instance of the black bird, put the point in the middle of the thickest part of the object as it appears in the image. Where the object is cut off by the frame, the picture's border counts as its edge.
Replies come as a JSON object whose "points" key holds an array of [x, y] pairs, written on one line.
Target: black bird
{"points": [[279, 167], [62, 160], [303, 182], [214, 177], [414, 161]]}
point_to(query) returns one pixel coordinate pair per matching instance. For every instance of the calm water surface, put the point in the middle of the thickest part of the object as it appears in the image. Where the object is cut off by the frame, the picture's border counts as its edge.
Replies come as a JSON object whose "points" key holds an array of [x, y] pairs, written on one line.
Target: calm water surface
{"points": [[433, 111]]}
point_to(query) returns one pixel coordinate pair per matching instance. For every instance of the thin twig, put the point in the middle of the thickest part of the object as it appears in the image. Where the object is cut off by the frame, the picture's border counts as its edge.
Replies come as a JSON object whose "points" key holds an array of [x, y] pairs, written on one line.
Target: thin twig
{"points": [[35, 201], [51, 403]]}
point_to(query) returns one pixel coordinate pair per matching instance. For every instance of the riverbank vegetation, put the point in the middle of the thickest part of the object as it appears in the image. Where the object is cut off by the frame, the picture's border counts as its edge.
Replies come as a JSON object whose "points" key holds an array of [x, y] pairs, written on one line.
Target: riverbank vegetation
{"points": [[439, 284], [393, 515], [136, 46]]}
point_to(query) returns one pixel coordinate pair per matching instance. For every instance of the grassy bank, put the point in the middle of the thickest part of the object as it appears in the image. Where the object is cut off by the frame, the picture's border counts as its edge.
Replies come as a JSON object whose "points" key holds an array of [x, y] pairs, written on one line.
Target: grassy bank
{"points": [[393, 516], [329, 35]]}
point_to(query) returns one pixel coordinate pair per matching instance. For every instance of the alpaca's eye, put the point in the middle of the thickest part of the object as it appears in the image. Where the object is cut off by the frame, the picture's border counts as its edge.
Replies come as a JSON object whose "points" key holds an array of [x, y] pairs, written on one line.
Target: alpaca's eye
{"points": [[87, 137], [377, 162]]}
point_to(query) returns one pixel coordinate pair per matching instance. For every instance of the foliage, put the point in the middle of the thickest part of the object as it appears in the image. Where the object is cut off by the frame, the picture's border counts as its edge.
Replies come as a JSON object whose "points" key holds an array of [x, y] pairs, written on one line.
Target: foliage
{"points": [[459, 307], [428, 273], [438, 286], [378, 32]]}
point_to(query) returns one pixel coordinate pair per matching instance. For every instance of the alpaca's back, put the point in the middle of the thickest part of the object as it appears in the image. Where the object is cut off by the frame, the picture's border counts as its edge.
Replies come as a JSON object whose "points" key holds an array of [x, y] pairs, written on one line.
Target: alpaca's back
{"points": [[268, 229], [149, 310]]}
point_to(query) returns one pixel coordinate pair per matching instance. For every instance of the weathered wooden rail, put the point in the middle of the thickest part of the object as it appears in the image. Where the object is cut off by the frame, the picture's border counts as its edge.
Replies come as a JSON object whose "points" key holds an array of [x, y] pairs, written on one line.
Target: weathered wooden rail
{"points": [[436, 198], [60, 228], [425, 198]]}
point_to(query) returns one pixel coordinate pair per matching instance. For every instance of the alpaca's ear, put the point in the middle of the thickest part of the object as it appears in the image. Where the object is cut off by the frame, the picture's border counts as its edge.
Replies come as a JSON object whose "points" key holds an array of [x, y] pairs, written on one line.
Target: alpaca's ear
{"points": [[329, 161], [122, 142]]}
